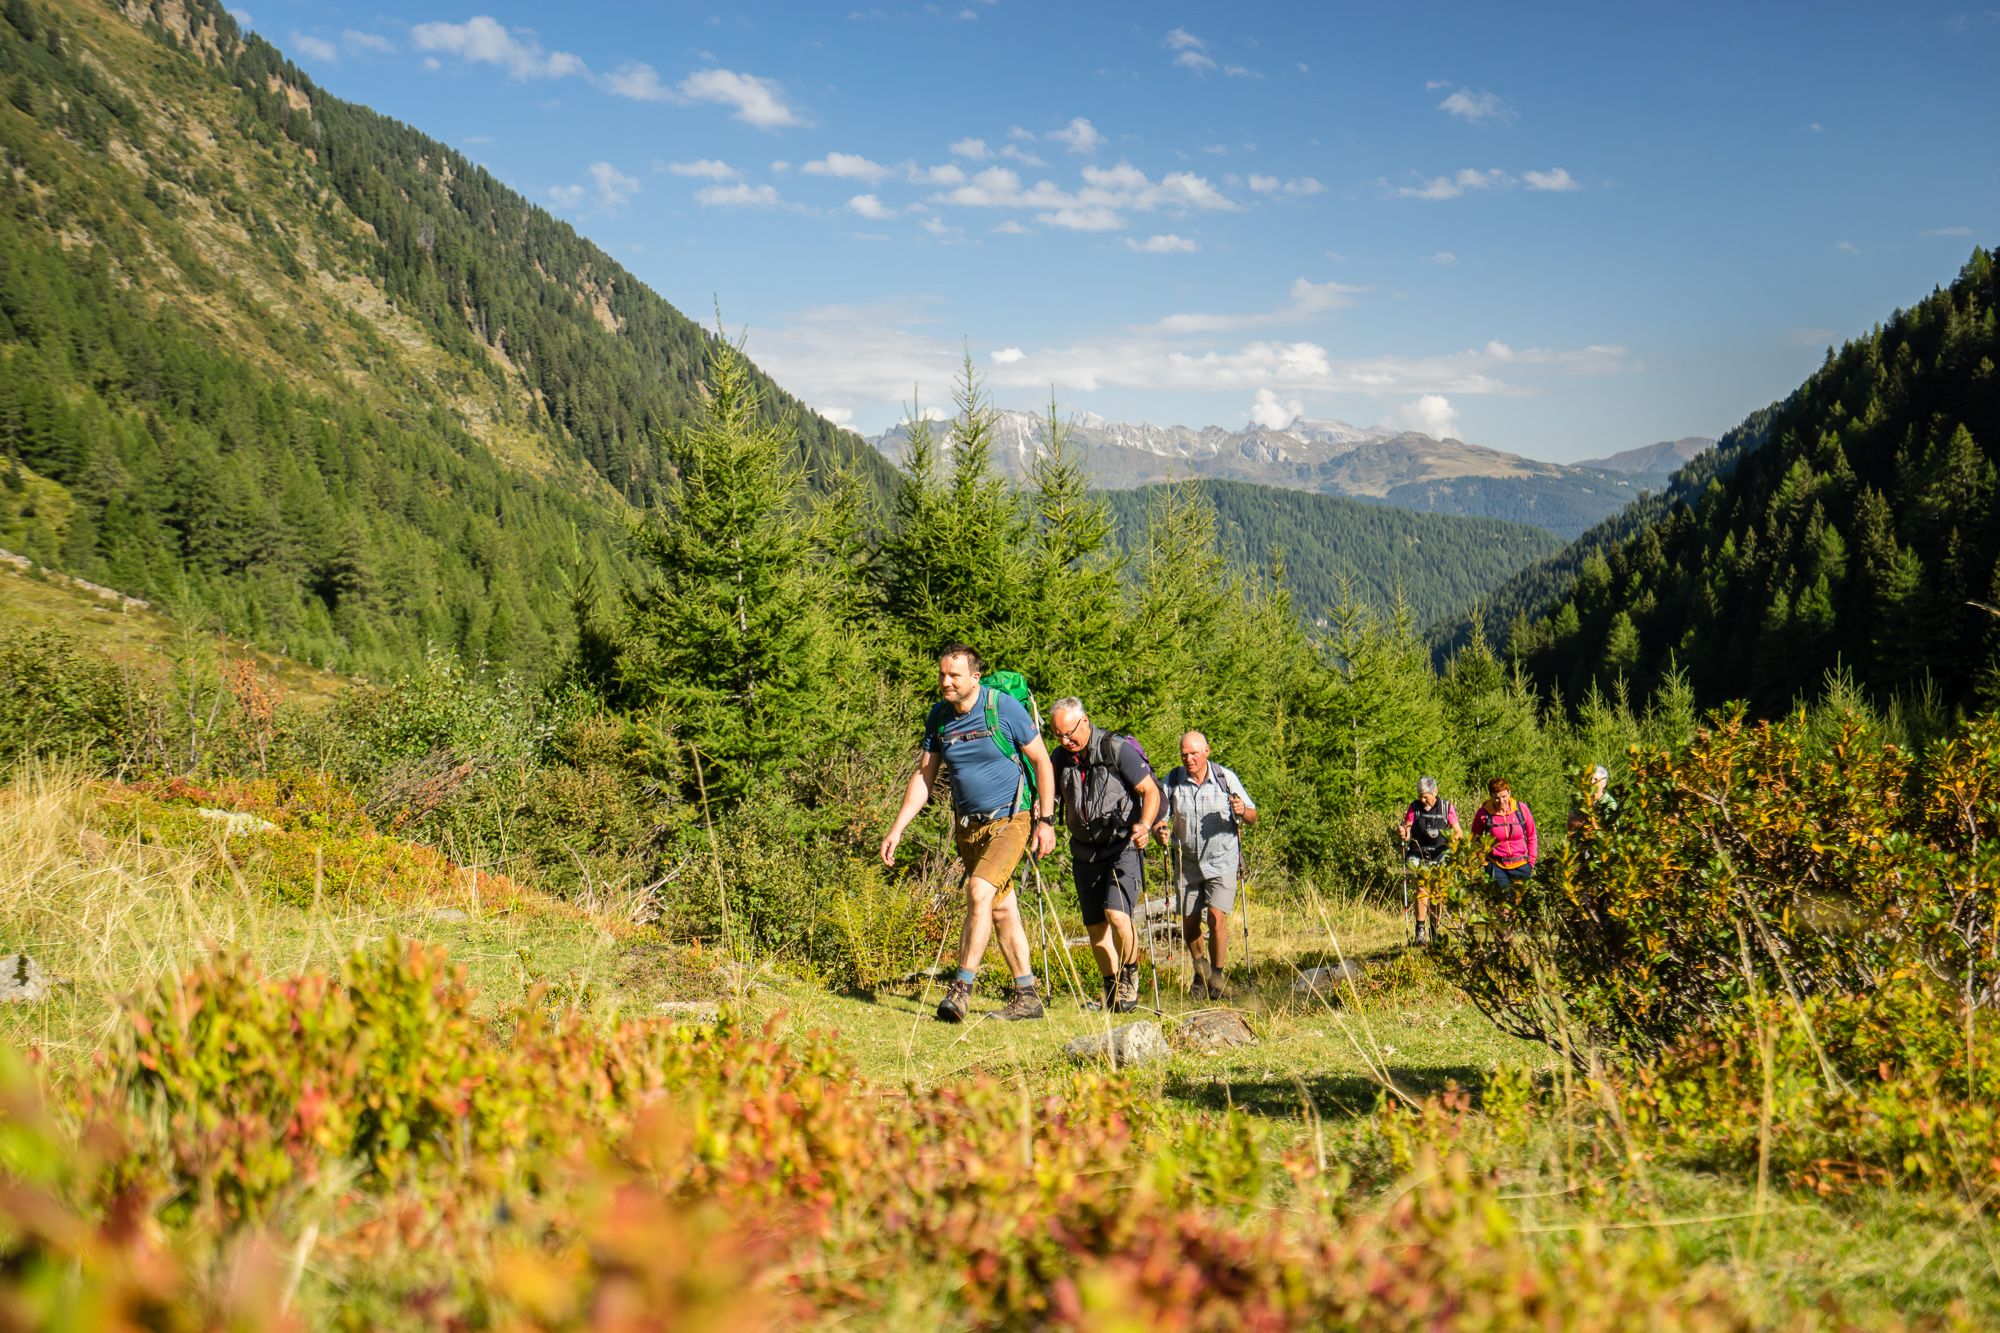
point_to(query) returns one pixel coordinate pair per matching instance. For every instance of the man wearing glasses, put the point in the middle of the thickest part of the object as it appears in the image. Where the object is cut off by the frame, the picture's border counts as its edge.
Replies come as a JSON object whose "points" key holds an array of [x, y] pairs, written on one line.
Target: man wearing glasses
{"points": [[1206, 806], [1110, 801]]}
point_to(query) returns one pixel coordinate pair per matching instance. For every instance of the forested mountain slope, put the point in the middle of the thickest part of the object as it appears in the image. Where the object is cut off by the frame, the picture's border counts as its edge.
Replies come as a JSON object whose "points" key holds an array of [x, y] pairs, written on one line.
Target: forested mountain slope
{"points": [[1438, 562], [1851, 524], [269, 355]]}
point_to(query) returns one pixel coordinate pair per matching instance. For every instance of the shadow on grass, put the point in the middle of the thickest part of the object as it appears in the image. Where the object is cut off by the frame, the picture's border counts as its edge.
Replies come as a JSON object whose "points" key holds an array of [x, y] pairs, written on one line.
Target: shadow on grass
{"points": [[1336, 1096]]}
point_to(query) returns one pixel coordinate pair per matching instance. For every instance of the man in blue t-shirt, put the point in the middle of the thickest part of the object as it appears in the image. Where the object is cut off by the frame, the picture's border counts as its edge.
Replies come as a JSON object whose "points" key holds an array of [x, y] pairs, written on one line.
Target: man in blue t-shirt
{"points": [[991, 823]]}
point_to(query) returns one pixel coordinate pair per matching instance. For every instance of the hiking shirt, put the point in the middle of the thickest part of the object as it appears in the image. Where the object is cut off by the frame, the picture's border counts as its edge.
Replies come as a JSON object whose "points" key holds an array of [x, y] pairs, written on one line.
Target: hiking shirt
{"points": [[1098, 788], [983, 780], [1204, 827], [1426, 828], [1513, 833]]}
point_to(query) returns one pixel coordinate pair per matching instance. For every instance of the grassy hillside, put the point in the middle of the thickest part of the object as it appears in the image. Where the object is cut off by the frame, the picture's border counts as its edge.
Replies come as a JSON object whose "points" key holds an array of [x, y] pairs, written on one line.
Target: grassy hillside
{"points": [[1439, 563], [277, 357]]}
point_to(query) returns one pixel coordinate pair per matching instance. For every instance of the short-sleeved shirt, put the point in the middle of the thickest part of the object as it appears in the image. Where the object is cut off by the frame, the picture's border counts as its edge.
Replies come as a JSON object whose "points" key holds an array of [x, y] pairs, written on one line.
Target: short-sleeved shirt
{"points": [[1204, 826], [983, 780]]}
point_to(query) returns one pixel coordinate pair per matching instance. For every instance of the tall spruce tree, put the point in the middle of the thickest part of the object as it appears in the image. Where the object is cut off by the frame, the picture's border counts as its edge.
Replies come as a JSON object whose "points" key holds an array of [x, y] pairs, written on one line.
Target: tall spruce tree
{"points": [[1071, 612], [733, 638]]}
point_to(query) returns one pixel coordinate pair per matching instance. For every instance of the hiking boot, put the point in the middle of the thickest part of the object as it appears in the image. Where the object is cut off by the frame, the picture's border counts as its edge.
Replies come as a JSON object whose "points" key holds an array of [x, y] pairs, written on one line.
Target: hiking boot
{"points": [[1218, 984], [1421, 937], [1024, 1002], [957, 999], [1200, 986], [1127, 995], [1110, 1005]]}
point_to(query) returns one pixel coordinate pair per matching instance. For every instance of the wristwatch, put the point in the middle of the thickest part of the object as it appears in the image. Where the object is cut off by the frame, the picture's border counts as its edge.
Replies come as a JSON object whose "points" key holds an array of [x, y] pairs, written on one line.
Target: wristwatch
{"points": [[1045, 819]]}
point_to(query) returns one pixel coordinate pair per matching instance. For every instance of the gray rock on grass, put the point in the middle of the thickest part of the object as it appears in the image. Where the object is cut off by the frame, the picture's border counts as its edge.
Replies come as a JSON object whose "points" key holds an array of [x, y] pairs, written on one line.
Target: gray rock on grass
{"points": [[1213, 1030], [1140, 1043], [1327, 981], [23, 980]]}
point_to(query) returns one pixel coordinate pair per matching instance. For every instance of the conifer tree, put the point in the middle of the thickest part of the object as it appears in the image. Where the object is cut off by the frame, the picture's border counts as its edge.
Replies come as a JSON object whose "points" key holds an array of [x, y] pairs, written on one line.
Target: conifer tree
{"points": [[733, 637], [1071, 611]]}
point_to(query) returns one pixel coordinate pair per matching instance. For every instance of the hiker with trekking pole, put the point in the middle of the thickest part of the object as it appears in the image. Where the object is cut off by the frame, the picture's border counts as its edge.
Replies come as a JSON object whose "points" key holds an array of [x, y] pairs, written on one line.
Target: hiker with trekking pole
{"points": [[1430, 829], [1002, 793], [1205, 809], [1110, 802], [1510, 823]]}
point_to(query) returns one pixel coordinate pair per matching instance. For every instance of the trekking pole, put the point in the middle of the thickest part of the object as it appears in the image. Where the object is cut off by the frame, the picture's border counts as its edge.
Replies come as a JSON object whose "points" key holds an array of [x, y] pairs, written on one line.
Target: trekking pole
{"points": [[1042, 902], [1244, 889], [1403, 858], [1152, 943]]}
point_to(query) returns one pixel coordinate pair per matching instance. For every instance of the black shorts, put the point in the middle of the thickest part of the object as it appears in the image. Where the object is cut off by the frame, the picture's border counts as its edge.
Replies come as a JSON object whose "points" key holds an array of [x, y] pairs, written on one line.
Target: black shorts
{"points": [[1107, 878]]}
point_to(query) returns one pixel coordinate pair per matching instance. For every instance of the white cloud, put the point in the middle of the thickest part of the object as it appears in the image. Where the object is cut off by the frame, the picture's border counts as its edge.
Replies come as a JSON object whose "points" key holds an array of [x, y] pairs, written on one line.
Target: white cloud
{"points": [[1240, 72], [1308, 300], [1847, 247], [758, 102], [1194, 60], [315, 48], [614, 187], [1010, 228], [1006, 356], [1817, 128], [705, 168], [839, 416], [1013, 152], [356, 40], [1443, 258], [868, 206], [740, 195], [1098, 205], [1432, 414], [1296, 188], [1168, 244], [242, 17], [484, 41], [847, 166], [870, 357], [1477, 107], [974, 149], [1451, 187], [1092, 218], [1180, 39], [946, 173], [942, 230], [1558, 179], [568, 196], [639, 82], [780, 167], [1271, 414], [1949, 231], [1079, 136]]}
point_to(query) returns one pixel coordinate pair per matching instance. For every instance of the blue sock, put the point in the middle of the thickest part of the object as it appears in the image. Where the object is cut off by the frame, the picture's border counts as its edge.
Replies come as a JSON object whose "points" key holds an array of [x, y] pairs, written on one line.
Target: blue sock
{"points": [[967, 975], [1025, 983]]}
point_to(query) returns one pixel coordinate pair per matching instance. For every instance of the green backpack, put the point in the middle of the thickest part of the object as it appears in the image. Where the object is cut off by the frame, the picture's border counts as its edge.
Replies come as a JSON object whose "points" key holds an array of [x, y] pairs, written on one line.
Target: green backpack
{"points": [[1014, 685]]}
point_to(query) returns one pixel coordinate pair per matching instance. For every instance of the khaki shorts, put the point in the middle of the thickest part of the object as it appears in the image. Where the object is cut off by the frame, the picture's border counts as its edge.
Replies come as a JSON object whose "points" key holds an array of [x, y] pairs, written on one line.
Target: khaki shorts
{"points": [[991, 851], [1202, 893]]}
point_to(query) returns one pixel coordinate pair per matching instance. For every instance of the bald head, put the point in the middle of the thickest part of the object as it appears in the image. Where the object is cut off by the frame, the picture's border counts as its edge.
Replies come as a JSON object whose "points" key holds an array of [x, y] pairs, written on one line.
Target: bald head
{"points": [[1194, 755]]}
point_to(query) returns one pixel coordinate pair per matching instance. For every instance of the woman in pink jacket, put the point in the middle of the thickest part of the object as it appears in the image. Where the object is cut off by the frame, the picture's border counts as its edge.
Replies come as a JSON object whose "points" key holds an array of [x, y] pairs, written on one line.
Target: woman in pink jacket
{"points": [[1511, 825]]}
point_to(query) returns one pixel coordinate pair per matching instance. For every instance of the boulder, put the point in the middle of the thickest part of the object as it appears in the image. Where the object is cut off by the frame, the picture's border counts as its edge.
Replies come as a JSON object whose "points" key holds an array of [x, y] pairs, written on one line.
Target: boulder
{"points": [[450, 915], [1328, 981], [22, 980], [1213, 1030], [1140, 1043]]}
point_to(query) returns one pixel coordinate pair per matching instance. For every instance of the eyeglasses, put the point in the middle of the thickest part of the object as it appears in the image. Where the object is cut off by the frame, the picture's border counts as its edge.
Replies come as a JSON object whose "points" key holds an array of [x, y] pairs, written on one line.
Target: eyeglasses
{"points": [[1074, 727]]}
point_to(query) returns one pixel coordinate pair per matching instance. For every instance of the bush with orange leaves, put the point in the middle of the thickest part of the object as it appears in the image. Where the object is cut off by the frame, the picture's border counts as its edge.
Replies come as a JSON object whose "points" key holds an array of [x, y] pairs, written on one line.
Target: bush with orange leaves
{"points": [[365, 1152]]}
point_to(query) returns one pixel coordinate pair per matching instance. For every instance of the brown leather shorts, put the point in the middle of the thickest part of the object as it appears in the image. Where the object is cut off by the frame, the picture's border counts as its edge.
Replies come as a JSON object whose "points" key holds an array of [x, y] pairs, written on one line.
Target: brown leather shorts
{"points": [[991, 851]]}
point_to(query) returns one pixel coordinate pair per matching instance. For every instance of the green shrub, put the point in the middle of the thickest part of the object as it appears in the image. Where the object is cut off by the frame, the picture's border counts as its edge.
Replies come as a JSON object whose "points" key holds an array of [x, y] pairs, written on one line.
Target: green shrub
{"points": [[1753, 862]]}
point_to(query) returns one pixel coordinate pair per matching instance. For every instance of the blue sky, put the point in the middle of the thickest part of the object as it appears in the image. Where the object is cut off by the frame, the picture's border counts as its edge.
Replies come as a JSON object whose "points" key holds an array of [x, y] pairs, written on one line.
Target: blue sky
{"points": [[1558, 230]]}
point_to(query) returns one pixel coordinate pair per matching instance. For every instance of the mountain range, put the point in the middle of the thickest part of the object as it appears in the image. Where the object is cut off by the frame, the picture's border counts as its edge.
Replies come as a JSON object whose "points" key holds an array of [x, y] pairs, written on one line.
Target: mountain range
{"points": [[1407, 469]]}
